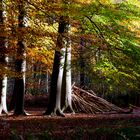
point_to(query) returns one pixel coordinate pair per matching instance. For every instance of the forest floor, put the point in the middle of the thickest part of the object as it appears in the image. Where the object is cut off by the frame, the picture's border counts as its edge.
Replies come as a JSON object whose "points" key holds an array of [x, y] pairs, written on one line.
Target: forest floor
{"points": [[79, 126]]}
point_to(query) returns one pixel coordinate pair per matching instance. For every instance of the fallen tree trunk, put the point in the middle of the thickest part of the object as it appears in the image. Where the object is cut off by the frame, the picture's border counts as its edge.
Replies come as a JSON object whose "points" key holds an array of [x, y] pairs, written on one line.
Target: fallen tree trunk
{"points": [[89, 102]]}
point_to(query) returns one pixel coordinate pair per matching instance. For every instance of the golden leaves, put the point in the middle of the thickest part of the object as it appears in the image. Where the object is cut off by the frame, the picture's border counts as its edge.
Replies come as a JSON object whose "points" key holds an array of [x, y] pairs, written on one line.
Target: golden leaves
{"points": [[42, 55]]}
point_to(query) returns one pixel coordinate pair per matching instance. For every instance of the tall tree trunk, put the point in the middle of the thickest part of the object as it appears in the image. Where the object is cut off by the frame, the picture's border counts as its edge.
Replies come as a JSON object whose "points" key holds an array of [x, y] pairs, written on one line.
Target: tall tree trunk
{"points": [[66, 98], [60, 92], [82, 62], [53, 86], [19, 87], [47, 82], [57, 74], [3, 77]]}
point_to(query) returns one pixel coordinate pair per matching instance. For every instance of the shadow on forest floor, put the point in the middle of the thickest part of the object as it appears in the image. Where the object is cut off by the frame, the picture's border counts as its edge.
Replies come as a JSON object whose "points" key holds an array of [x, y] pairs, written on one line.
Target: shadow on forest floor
{"points": [[105, 126]]}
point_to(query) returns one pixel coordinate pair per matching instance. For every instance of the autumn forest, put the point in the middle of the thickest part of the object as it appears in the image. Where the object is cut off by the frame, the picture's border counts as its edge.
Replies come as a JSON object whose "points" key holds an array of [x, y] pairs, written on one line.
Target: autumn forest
{"points": [[78, 56]]}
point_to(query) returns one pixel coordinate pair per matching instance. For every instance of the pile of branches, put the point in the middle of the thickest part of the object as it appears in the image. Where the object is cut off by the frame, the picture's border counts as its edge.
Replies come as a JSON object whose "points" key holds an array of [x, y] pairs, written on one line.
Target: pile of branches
{"points": [[88, 102]]}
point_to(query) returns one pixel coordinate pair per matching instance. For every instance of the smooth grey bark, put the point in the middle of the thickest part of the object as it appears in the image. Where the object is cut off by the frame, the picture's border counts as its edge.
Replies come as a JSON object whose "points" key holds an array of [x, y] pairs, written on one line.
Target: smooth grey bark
{"points": [[60, 91], [20, 63], [57, 73], [66, 98], [47, 82], [3, 105], [3, 58]]}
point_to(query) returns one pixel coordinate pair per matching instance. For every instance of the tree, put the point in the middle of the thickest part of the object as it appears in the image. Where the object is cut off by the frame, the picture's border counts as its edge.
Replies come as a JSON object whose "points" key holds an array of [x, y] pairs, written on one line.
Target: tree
{"points": [[3, 48], [20, 63], [107, 32], [60, 91], [114, 27]]}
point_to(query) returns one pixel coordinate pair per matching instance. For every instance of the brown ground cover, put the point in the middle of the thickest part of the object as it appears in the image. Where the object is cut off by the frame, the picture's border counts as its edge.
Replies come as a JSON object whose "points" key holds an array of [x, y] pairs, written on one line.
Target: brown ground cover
{"points": [[76, 126], [37, 124]]}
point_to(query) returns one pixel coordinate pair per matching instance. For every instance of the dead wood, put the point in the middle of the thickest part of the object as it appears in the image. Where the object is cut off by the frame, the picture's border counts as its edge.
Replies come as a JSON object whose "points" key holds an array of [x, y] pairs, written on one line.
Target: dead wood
{"points": [[88, 102]]}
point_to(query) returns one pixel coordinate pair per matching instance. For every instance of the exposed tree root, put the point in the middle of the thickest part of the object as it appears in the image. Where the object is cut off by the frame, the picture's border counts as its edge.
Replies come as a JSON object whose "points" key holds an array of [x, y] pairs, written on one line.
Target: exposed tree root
{"points": [[68, 108], [56, 112], [88, 102]]}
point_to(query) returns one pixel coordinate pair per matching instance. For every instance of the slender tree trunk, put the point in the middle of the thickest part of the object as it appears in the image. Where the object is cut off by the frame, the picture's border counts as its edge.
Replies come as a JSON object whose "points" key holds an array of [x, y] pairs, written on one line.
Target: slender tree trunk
{"points": [[82, 63], [66, 98], [59, 82], [3, 77], [3, 105], [19, 87], [47, 82]]}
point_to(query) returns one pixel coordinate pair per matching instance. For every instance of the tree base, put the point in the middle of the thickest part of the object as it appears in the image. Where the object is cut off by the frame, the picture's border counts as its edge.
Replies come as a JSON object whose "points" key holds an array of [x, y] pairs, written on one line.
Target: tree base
{"points": [[68, 109], [56, 112], [24, 113], [4, 113]]}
